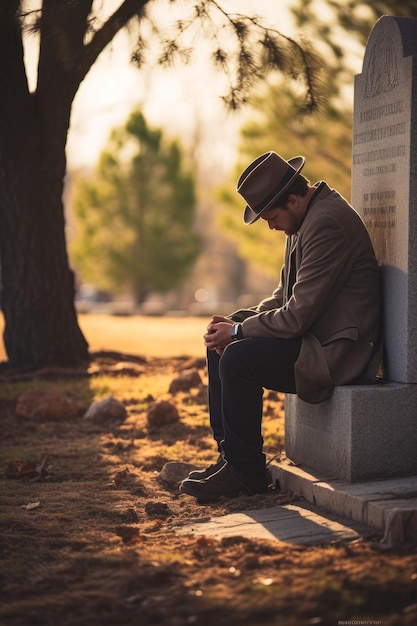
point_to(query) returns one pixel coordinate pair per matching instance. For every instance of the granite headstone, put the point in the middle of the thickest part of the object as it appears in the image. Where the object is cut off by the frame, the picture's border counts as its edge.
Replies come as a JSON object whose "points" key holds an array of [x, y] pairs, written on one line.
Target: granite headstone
{"points": [[384, 180]]}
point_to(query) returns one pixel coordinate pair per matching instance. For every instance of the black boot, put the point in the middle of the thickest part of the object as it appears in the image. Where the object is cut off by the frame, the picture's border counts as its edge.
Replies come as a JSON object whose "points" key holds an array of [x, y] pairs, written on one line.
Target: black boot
{"points": [[202, 474], [227, 482]]}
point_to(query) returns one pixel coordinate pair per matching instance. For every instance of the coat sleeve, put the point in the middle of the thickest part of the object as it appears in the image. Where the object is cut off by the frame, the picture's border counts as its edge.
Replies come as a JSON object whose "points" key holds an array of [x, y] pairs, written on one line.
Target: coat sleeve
{"points": [[326, 262]]}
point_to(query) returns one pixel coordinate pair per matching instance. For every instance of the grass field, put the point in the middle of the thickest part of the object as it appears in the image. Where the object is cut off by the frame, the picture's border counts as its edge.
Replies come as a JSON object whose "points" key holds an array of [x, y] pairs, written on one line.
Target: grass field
{"points": [[148, 336]]}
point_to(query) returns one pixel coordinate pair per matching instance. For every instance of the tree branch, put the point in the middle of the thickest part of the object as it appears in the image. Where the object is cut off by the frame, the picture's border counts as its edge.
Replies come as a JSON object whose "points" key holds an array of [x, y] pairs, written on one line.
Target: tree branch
{"points": [[272, 50], [105, 35]]}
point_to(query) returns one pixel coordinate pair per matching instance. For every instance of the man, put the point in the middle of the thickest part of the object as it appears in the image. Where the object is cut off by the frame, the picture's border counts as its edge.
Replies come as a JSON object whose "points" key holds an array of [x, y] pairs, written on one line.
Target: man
{"points": [[320, 327]]}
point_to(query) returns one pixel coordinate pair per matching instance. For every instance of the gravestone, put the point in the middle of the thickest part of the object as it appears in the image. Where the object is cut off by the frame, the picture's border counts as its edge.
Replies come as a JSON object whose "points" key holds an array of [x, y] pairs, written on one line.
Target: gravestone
{"points": [[384, 180], [370, 431]]}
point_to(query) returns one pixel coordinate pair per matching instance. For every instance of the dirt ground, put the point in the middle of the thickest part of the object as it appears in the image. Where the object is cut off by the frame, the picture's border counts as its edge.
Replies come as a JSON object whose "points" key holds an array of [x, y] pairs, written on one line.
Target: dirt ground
{"points": [[88, 532]]}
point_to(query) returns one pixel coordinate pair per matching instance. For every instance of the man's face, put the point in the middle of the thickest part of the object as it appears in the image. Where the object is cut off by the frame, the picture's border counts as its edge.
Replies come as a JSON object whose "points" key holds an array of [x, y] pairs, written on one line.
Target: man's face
{"points": [[286, 218]]}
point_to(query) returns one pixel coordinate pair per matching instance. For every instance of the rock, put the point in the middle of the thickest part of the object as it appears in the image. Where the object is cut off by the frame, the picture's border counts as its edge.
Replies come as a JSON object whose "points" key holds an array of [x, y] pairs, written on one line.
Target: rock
{"points": [[161, 413], [130, 535], [201, 397], [199, 363], [108, 408], [174, 472], [47, 403], [128, 516], [157, 510], [125, 369], [185, 381]]}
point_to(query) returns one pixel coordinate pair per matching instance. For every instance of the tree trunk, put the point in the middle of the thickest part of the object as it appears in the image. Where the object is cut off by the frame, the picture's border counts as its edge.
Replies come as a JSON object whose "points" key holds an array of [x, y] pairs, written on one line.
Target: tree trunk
{"points": [[41, 327]]}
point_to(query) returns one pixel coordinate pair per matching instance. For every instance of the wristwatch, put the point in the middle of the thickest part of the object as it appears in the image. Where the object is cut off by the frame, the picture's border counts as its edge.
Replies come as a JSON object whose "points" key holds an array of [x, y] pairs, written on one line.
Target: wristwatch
{"points": [[236, 332]]}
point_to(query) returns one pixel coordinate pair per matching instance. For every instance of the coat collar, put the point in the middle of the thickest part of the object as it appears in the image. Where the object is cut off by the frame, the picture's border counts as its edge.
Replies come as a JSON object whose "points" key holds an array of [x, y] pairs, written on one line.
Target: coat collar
{"points": [[320, 188]]}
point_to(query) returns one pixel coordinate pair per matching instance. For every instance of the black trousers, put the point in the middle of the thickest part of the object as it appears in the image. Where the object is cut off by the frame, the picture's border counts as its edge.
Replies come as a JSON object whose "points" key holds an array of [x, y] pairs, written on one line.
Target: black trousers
{"points": [[236, 382]]}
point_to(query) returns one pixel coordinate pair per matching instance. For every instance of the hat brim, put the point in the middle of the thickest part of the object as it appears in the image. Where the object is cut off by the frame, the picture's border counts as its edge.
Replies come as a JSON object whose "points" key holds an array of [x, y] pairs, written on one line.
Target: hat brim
{"points": [[250, 216]]}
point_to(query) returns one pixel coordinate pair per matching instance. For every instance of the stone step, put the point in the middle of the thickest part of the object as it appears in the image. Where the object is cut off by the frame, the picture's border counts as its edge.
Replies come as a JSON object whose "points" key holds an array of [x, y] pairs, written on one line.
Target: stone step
{"points": [[387, 505]]}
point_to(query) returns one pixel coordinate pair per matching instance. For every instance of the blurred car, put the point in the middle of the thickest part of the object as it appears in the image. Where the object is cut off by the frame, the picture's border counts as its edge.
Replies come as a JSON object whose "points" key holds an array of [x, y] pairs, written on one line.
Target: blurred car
{"points": [[89, 299]]}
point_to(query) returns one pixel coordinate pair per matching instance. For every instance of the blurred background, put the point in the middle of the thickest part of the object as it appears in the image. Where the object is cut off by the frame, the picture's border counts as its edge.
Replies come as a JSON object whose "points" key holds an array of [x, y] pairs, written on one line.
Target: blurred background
{"points": [[153, 222]]}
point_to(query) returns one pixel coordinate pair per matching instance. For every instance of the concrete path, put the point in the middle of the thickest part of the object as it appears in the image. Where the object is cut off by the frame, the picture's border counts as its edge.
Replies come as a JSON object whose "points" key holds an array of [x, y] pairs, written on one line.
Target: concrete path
{"points": [[299, 524]]}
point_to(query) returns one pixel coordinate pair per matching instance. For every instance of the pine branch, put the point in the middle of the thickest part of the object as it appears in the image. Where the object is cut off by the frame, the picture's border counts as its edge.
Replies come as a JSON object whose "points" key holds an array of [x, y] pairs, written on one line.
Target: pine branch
{"points": [[119, 19]]}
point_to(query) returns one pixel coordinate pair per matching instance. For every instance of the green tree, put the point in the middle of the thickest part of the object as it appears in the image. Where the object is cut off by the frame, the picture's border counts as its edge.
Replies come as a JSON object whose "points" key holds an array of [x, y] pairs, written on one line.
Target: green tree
{"points": [[324, 138], [352, 16], [334, 24], [135, 220], [41, 326]]}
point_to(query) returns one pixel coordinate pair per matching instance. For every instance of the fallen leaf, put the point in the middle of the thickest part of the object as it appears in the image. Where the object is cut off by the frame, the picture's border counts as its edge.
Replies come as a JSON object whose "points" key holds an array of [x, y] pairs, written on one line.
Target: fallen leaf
{"points": [[32, 470], [30, 506], [121, 476]]}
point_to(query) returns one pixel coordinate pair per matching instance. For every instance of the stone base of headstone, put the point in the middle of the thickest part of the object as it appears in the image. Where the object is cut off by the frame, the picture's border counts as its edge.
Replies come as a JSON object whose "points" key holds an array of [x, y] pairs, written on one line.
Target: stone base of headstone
{"points": [[361, 432]]}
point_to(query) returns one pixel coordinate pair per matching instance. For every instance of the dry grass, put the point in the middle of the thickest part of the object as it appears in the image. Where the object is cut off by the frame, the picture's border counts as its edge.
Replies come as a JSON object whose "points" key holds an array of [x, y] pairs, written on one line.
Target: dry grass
{"points": [[148, 336]]}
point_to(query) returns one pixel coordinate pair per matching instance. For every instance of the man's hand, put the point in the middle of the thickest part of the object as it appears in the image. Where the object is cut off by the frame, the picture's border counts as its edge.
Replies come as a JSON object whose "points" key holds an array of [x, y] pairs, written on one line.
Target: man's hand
{"points": [[218, 333]]}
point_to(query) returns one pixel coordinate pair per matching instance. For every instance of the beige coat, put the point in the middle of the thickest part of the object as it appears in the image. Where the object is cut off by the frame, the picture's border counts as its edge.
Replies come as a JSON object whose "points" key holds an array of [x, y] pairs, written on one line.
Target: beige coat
{"points": [[329, 294]]}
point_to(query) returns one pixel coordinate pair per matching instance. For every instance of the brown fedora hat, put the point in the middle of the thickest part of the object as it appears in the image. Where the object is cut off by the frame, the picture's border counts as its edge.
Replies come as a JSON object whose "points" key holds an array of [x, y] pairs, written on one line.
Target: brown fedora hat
{"points": [[264, 181]]}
